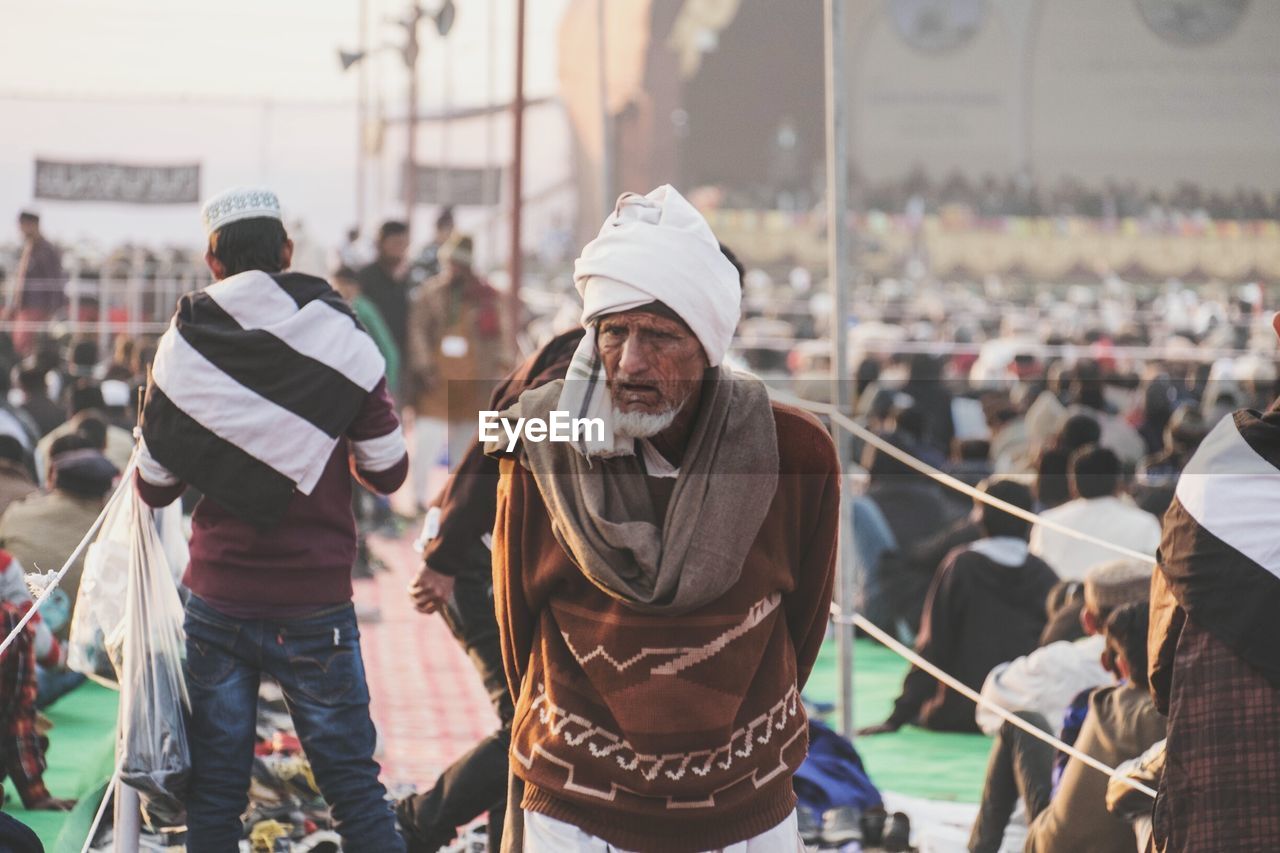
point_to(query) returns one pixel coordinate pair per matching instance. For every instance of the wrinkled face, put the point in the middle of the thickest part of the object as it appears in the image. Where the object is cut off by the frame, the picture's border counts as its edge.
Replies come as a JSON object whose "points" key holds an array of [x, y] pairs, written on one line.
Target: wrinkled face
{"points": [[653, 363]]}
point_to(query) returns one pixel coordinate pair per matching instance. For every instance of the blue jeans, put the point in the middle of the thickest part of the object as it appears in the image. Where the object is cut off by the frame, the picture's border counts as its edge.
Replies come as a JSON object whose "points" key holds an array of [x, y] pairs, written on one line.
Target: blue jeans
{"points": [[316, 660], [53, 684]]}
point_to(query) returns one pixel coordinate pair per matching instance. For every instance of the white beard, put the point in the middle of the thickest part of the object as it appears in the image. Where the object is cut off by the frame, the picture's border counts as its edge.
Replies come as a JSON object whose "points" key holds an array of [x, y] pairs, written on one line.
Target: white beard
{"points": [[641, 424]]}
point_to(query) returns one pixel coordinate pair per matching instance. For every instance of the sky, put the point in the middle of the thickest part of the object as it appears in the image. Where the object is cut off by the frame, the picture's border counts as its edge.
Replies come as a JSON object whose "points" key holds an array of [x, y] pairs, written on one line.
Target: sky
{"points": [[250, 88], [254, 48]]}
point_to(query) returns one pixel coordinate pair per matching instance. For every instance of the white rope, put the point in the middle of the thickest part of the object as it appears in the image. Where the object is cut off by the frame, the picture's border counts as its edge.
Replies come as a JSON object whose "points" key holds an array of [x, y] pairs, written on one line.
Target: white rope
{"points": [[126, 482], [963, 689], [951, 482], [908, 654], [1139, 353], [102, 809]]}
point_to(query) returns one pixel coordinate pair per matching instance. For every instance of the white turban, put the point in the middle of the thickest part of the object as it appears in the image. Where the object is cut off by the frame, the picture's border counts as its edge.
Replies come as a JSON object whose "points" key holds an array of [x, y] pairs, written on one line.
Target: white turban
{"points": [[659, 248], [652, 248]]}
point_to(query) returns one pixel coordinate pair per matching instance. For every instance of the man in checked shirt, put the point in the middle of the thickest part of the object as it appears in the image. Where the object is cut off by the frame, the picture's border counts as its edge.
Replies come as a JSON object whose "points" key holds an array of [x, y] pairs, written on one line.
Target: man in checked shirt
{"points": [[22, 747]]}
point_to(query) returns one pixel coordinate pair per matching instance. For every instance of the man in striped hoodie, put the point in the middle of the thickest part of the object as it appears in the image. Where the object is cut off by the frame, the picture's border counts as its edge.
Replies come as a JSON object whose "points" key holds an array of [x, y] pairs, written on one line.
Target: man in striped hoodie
{"points": [[267, 395]]}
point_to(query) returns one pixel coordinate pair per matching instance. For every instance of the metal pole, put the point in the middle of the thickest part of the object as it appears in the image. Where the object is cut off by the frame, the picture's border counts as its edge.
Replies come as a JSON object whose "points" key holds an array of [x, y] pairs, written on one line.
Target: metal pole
{"points": [[137, 281], [380, 166], [838, 272], [362, 111], [76, 283], [128, 820], [264, 144], [607, 197], [492, 174], [411, 118], [517, 175], [444, 188], [127, 829]]}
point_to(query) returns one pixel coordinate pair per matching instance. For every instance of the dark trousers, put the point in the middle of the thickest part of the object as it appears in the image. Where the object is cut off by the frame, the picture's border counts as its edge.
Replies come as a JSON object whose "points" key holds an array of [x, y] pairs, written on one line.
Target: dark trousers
{"points": [[476, 782], [53, 684], [316, 660], [1020, 767]]}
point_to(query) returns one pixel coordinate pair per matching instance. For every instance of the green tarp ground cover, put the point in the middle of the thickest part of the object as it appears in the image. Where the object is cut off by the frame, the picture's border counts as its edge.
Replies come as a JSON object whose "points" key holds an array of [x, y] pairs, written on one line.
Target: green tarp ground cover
{"points": [[912, 761], [80, 758]]}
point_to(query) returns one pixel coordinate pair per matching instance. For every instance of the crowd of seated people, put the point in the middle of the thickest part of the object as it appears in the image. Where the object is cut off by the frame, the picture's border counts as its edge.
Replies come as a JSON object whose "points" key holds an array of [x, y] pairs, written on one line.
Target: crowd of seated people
{"points": [[1046, 625], [992, 196], [66, 417]]}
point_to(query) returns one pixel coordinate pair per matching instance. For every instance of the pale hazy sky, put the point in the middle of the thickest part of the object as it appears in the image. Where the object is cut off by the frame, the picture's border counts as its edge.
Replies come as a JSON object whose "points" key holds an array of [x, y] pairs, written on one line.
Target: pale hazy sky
{"points": [[254, 48], [253, 90]]}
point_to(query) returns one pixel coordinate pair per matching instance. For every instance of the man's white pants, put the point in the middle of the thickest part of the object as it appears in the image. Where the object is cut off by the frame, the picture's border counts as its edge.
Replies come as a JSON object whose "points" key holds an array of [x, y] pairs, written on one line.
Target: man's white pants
{"points": [[544, 834]]}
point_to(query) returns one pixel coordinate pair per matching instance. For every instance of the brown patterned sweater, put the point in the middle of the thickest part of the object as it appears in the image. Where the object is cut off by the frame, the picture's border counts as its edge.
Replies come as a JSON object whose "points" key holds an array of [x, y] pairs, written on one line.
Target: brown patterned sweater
{"points": [[668, 733]]}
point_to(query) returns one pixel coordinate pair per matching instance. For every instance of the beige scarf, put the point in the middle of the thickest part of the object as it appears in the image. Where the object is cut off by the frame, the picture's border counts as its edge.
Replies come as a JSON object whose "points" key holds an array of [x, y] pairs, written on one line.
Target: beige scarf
{"points": [[604, 518]]}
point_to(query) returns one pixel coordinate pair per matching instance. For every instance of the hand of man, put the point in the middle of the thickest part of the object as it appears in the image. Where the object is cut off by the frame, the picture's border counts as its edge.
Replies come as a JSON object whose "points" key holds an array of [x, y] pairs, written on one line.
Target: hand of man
{"points": [[430, 590], [882, 729]]}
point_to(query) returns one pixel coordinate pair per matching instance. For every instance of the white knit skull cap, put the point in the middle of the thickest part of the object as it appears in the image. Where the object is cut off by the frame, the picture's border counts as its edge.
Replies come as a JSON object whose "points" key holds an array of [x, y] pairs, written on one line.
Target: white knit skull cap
{"points": [[239, 203]]}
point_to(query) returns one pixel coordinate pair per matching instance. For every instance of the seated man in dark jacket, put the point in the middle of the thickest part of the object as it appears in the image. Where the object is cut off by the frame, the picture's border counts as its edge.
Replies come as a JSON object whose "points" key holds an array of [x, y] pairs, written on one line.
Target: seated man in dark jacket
{"points": [[901, 508], [985, 606]]}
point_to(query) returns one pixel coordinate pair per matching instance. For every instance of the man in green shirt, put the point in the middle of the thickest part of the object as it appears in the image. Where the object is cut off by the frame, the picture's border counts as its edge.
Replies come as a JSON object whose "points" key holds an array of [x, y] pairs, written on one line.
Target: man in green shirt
{"points": [[347, 282]]}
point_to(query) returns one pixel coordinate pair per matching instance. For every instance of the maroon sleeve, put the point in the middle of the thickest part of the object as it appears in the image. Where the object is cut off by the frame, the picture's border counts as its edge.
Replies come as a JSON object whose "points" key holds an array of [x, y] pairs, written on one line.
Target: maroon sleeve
{"points": [[46, 262], [157, 496], [469, 499], [379, 459]]}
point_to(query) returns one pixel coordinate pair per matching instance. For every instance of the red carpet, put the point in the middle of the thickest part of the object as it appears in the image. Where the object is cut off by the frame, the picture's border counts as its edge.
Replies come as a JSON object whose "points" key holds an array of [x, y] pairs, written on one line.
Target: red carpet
{"points": [[428, 703]]}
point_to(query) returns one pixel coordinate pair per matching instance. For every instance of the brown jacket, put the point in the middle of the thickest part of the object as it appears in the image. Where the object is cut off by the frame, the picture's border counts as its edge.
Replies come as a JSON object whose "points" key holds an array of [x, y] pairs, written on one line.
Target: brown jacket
{"points": [[1122, 723], [15, 483], [42, 530], [1167, 619], [458, 347], [671, 733]]}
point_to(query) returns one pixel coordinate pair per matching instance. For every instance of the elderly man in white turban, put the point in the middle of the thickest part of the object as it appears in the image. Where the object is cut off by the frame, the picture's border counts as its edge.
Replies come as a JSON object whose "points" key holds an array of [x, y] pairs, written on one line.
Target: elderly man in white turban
{"points": [[661, 589]]}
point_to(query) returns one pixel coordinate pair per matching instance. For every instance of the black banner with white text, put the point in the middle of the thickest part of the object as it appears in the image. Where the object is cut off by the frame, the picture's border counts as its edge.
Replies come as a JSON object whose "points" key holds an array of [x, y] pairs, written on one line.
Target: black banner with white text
{"points": [[117, 182]]}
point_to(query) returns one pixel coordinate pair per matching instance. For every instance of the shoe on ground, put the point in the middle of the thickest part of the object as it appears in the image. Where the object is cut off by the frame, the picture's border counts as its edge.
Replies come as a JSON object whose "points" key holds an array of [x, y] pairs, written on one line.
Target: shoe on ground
{"points": [[897, 833], [873, 821], [809, 824], [841, 825]]}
